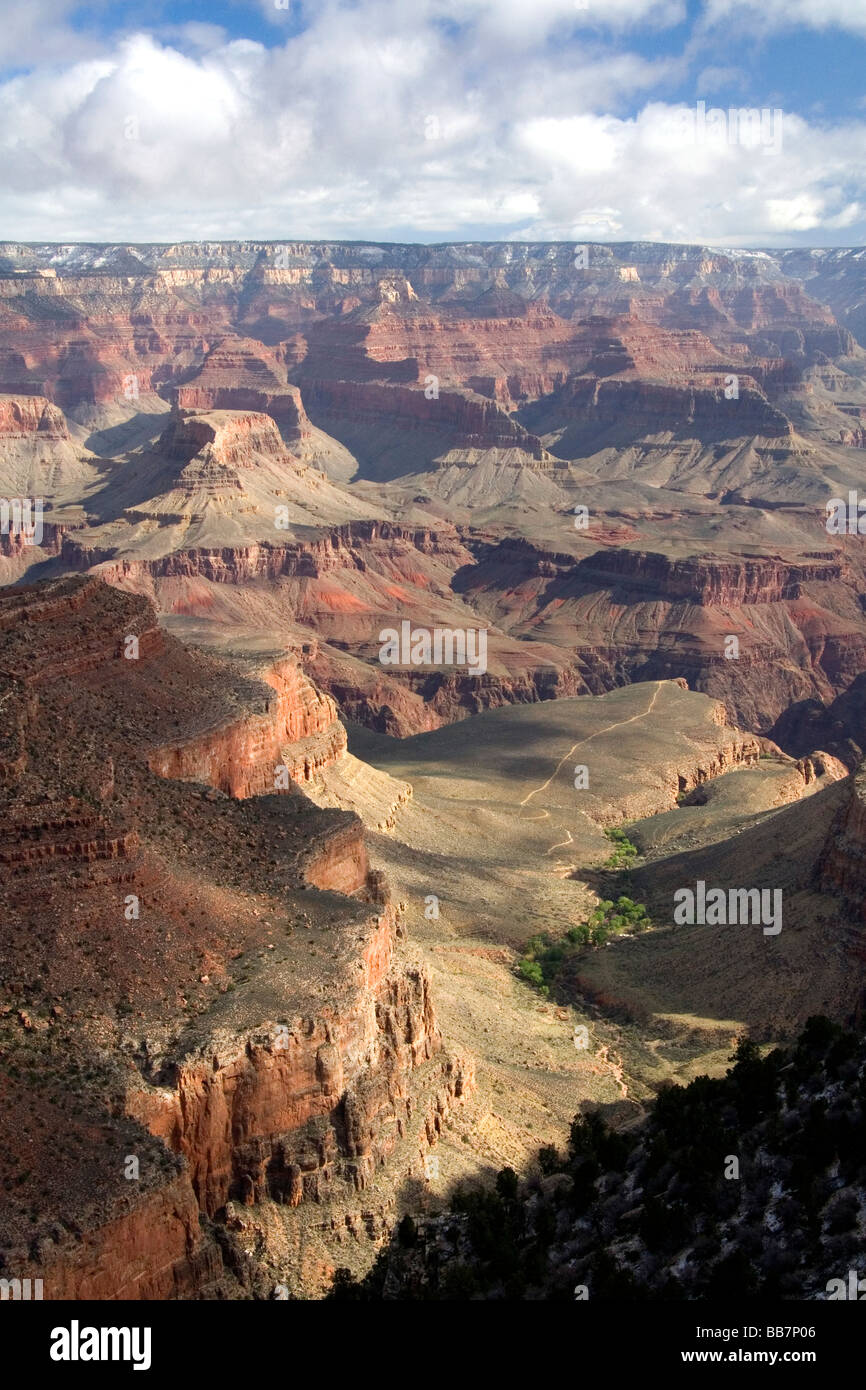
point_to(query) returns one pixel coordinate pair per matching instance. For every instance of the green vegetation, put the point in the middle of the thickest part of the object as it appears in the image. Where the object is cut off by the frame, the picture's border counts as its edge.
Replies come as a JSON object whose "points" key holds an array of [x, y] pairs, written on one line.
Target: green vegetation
{"points": [[545, 957], [746, 1186], [610, 919], [531, 969], [624, 853]]}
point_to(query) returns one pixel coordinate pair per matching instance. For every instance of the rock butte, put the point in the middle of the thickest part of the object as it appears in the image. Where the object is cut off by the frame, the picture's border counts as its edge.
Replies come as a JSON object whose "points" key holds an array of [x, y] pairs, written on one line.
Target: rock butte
{"points": [[255, 458], [254, 1029], [434, 409]]}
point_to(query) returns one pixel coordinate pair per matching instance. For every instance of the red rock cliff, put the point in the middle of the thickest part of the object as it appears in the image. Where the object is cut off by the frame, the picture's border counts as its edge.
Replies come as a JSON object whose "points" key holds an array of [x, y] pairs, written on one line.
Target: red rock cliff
{"points": [[297, 728]]}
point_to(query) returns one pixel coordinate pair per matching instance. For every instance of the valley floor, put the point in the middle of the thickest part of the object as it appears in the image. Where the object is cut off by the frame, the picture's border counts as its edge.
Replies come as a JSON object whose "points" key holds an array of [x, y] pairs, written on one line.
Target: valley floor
{"points": [[496, 844]]}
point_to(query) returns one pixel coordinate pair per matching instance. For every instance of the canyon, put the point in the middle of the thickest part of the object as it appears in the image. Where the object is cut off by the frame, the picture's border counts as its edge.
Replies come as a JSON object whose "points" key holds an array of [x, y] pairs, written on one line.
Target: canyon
{"points": [[211, 981], [263, 897], [324, 438]]}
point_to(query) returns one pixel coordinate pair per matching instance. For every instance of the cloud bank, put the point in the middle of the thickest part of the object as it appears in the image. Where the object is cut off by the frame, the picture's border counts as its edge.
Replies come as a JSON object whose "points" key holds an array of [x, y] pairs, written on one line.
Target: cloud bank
{"points": [[446, 119]]}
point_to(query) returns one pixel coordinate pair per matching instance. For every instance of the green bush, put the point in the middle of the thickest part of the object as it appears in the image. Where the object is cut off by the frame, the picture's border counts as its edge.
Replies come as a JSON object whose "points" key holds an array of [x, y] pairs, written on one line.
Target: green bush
{"points": [[610, 918], [545, 957], [624, 852], [531, 971]]}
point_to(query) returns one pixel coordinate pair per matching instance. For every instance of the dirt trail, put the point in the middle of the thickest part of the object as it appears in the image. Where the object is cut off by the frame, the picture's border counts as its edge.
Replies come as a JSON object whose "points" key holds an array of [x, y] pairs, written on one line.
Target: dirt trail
{"points": [[609, 728], [562, 843]]}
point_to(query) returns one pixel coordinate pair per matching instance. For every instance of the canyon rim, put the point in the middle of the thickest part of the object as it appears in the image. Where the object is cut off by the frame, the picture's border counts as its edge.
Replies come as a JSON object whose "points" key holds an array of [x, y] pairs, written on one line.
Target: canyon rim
{"points": [[432, 671]]}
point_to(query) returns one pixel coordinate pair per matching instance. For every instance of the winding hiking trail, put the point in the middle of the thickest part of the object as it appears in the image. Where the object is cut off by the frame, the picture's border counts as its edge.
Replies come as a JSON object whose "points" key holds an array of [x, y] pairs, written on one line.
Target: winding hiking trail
{"points": [[608, 729], [569, 841], [606, 1060]]}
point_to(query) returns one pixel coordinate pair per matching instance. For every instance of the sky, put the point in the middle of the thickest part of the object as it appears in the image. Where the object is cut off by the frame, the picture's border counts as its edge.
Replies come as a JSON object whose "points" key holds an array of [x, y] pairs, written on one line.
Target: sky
{"points": [[434, 120]]}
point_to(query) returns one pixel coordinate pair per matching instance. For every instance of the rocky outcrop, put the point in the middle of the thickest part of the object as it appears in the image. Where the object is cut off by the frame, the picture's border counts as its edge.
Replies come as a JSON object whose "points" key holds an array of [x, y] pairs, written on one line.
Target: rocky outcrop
{"points": [[837, 726], [27, 609], [820, 767], [241, 374], [710, 580], [647, 407], [733, 749], [841, 868], [155, 1251], [288, 1112], [22, 417], [18, 545], [227, 440], [297, 732], [262, 1035], [337, 861]]}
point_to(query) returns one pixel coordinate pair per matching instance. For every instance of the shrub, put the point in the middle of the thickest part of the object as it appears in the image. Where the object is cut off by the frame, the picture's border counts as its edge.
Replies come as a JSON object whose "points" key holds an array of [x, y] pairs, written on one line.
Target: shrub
{"points": [[506, 1184], [531, 970], [544, 957], [624, 852], [549, 1160]]}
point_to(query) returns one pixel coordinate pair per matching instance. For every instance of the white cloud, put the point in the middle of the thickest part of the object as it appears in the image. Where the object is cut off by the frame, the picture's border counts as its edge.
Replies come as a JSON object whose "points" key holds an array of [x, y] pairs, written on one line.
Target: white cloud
{"points": [[39, 32], [798, 214], [575, 145], [381, 120], [514, 19], [778, 14], [720, 79]]}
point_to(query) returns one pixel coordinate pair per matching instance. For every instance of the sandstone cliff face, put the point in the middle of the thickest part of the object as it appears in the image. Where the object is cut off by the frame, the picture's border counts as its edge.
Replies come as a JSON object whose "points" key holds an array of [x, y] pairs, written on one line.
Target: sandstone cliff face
{"points": [[630, 614], [298, 730], [341, 547], [38, 462], [299, 1075], [339, 861], [650, 407], [292, 1111], [241, 374], [229, 440], [22, 417], [453, 696], [156, 1251], [710, 580], [464, 420], [16, 547], [509, 350]]}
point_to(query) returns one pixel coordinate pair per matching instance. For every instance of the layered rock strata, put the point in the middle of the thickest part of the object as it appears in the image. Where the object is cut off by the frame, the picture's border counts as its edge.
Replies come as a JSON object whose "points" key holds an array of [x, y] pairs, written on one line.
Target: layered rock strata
{"points": [[211, 994]]}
